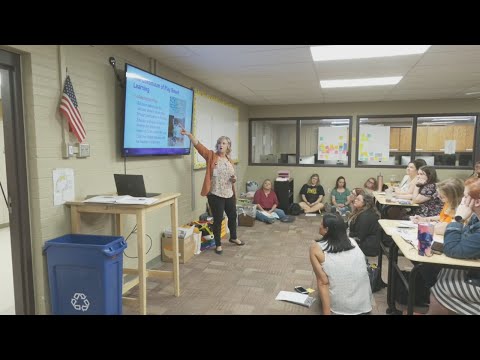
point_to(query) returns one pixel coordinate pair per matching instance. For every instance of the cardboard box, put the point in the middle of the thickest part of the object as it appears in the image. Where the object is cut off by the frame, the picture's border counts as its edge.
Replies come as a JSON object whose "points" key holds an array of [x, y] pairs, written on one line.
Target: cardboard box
{"points": [[245, 220], [186, 248]]}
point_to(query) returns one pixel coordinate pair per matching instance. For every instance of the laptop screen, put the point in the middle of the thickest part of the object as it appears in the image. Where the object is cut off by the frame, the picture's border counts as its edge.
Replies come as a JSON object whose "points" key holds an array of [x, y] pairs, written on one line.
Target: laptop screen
{"points": [[132, 185]]}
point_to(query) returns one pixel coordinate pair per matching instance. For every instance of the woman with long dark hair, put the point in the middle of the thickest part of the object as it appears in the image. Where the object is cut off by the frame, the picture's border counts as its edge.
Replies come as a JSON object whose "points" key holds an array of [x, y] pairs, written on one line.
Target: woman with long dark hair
{"points": [[340, 268], [363, 224], [426, 194]]}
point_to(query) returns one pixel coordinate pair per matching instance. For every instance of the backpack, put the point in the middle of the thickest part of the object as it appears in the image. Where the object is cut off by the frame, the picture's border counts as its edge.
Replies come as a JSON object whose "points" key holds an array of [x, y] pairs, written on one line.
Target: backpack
{"points": [[294, 209]]}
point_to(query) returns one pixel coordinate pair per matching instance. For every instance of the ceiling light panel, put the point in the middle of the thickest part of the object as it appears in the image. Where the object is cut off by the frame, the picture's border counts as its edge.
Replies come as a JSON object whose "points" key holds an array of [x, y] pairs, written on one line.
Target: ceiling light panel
{"points": [[343, 52], [390, 80]]}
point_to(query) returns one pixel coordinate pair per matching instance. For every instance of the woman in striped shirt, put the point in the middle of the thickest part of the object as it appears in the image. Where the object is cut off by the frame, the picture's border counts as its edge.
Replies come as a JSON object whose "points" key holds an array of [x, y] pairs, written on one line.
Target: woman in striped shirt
{"points": [[458, 291]]}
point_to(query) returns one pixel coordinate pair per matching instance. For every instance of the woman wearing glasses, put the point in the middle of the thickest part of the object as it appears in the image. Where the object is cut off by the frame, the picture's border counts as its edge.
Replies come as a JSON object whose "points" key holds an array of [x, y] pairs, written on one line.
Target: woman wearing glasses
{"points": [[458, 291]]}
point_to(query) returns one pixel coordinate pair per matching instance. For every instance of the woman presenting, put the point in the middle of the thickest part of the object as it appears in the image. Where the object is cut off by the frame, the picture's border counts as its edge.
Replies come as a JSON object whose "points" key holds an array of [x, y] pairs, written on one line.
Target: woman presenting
{"points": [[218, 186]]}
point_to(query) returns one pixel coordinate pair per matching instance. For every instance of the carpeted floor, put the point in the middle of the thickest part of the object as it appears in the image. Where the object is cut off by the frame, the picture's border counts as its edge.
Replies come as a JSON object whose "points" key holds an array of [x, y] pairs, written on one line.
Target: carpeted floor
{"points": [[246, 279]]}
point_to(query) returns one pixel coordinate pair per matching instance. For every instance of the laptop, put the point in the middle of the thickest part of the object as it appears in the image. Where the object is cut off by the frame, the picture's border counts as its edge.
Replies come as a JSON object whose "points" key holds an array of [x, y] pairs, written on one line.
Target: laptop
{"points": [[132, 185]]}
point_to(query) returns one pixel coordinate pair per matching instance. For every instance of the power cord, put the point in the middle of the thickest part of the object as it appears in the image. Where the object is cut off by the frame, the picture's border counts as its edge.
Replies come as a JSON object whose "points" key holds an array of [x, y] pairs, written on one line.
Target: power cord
{"points": [[134, 230], [112, 62]]}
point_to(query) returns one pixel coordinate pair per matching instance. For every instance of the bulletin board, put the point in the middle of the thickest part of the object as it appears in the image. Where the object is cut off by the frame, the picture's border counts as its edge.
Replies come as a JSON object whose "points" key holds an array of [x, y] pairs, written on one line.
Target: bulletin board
{"points": [[212, 118], [333, 143], [374, 143]]}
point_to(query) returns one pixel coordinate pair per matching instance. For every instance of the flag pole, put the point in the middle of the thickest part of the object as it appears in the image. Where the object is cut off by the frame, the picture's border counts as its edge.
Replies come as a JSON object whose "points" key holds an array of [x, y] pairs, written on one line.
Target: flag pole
{"points": [[63, 75]]}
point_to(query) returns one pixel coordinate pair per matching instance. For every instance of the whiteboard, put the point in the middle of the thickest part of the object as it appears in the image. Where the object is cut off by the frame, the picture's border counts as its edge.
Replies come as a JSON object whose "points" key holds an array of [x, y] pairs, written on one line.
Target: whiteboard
{"points": [[212, 118], [333, 143], [374, 144]]}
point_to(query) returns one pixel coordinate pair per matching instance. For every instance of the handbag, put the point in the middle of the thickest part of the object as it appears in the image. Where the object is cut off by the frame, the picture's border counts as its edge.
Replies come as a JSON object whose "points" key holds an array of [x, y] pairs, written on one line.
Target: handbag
{"points": [[375, 275]]}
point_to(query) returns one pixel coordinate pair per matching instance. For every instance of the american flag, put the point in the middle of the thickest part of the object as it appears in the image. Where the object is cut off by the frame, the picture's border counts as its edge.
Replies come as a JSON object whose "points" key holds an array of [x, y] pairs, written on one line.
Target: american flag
{"points": [[69, 108]]}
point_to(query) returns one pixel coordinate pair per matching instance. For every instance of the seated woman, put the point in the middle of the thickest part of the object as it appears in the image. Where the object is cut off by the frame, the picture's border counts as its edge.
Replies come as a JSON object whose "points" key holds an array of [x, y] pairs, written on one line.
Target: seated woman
{"points": [[407, 185], [426, 194], [267, 203], [354, 193], [312, 194], [340, 196], [458, 291], [476, 170], [405, 191], [363, 224], [340, 268], [370, 185], [450, 191]]}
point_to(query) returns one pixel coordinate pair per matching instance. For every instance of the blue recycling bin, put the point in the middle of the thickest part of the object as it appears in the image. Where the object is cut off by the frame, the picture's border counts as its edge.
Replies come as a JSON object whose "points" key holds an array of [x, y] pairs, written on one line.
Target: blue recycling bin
{"points": [[85, 274]]}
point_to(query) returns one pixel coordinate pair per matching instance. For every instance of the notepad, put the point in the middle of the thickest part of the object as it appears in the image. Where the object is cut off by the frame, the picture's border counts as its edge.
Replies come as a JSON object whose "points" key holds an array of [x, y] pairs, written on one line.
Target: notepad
{"points": [[296, 298], [121, 199]]}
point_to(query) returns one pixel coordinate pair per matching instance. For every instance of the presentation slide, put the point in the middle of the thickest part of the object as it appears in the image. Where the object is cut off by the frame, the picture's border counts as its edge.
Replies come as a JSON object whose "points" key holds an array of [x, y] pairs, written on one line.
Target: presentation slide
{"points": [[155, 112]]}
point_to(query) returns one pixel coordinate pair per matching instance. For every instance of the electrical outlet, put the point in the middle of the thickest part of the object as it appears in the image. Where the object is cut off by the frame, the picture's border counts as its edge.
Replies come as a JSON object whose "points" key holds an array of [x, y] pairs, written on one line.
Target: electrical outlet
{"points": [[83, 150]]}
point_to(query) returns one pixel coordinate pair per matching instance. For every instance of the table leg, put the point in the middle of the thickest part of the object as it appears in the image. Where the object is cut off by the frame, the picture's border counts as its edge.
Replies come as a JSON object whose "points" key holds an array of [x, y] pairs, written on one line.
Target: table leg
{"points": [[75, 219], [118, 224], [411, 288], [176, 267], [142, 268], [392, 261]]}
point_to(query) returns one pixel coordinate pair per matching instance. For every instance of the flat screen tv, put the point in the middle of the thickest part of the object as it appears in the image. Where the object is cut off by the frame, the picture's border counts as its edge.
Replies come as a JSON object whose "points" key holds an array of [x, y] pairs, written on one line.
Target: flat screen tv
{"points": [[155, 112]]}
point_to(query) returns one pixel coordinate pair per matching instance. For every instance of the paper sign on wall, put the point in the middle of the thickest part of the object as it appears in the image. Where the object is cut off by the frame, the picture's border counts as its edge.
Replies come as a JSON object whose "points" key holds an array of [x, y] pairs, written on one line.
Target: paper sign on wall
{"points": [[63, 186], [450, 146]]}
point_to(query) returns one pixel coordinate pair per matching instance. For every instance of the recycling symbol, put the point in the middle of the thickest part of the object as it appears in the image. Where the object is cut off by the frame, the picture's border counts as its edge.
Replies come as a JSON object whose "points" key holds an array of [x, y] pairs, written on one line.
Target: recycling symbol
{"points": [[80, 302]]}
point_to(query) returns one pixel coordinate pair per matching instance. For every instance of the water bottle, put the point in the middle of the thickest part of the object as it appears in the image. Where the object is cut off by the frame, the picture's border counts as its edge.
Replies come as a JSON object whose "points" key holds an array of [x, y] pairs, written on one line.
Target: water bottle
{"points": [[380, 182]]}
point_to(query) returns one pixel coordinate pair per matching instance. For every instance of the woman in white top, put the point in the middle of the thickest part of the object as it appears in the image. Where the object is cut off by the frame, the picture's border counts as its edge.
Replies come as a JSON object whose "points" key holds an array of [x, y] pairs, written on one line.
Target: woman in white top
{"points": [[409, 181], [340, 269]]}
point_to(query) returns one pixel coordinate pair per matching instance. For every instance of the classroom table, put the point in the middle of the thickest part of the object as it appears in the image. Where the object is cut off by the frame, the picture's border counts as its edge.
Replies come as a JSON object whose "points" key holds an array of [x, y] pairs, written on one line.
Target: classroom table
{"points": [[383, 205], [411, 253], [165, 199]]}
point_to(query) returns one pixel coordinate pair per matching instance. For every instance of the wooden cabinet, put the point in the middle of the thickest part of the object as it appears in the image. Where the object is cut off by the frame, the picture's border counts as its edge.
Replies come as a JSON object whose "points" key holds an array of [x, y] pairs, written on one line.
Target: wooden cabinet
{"points": [[432, 138], [464, 135], [284, 191], [405, 139], [395, 139], [422, 136]]}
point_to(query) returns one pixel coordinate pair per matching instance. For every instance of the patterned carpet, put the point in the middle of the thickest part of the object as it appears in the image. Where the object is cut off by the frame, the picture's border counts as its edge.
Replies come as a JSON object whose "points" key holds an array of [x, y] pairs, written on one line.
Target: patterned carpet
{"points": [[245, 280]]}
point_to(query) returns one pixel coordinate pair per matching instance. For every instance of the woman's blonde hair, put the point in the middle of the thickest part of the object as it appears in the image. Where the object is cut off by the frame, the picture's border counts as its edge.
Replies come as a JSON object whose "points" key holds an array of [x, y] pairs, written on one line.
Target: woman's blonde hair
{"points": [[264, 181], [311, 177], [229, 142], [453, 190]]}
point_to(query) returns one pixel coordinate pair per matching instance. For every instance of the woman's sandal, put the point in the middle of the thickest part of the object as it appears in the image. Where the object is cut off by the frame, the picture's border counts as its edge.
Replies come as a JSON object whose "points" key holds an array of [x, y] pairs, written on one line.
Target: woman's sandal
{"points": [[236, 243]]}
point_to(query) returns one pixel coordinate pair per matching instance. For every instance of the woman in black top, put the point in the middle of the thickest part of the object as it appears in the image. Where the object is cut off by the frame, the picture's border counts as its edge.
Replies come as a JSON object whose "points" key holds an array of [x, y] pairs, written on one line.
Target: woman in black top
{"points": [[363, 224], [312, 194]]}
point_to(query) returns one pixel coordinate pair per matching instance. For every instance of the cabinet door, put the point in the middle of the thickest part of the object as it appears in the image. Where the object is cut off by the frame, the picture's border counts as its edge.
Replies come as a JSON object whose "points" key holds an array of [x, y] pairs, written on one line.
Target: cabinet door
{"points": [[405, 139], [422, 136], [394, 139], [436, 136], [463, 134]]}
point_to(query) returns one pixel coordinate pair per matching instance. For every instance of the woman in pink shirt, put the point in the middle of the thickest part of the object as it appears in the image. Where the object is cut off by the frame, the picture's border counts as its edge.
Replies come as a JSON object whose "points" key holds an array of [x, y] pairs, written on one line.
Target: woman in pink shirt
{"points": [[267, 203]]}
